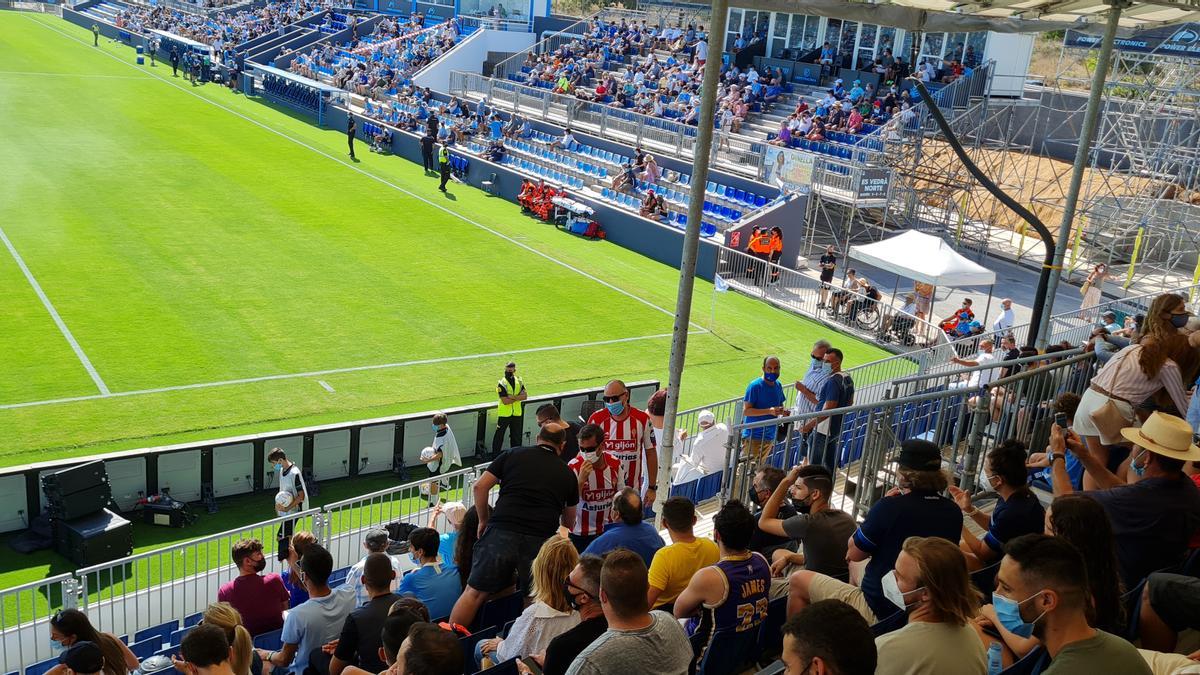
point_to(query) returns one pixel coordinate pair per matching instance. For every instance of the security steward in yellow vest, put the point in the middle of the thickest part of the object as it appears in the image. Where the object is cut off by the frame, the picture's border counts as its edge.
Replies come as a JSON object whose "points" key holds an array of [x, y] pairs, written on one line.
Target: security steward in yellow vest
{"points": [[444, 166], [510, 413]]}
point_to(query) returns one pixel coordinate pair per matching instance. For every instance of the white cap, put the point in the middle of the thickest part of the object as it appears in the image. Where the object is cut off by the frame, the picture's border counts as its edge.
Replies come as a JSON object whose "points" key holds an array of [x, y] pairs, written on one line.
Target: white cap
{"points": [[706, 417]]}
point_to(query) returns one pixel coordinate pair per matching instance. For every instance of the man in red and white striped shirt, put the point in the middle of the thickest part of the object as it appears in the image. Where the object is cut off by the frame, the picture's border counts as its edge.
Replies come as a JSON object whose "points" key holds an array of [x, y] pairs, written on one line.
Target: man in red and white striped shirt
{"points": [[599, 478], [629, 438]]}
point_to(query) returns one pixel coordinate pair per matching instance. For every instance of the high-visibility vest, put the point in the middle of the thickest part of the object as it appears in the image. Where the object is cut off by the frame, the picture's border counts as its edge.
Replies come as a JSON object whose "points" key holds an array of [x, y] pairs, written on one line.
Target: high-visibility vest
{"points": [[511, 409], [444, 155], [761, 243]]}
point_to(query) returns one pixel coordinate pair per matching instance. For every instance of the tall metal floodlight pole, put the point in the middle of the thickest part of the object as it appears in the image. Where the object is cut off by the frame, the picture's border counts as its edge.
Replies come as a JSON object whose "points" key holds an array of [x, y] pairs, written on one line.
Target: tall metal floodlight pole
{"points": [[691, 241], [1091, 119]]}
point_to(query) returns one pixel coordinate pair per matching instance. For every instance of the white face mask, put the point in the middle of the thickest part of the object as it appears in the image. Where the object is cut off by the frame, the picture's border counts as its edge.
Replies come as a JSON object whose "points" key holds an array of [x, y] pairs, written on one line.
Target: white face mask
{"points": [[891, 590], [591, 457]]}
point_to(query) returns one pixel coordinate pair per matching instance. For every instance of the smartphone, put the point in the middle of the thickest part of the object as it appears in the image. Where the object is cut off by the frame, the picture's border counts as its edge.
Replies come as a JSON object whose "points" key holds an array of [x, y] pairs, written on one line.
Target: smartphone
{"points": [[532, 665], [1060, 419]]}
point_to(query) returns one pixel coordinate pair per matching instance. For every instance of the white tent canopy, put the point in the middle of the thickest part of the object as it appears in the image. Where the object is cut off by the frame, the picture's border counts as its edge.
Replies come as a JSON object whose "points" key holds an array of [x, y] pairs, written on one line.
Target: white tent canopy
{"points": [[925, 258]]}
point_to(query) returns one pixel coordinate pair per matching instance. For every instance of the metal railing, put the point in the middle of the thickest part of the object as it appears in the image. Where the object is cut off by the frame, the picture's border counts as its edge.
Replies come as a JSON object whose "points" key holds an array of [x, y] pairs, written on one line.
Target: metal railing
{"points": [[965, 422], [25, 613], [955, 96], [471, 23]]}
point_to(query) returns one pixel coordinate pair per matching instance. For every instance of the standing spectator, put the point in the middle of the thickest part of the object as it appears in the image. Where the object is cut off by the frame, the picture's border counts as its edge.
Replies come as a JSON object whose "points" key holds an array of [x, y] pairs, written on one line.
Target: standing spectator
{"points": [[550, 615], [351, 131], [95, 35], [360, 644], [1005, 319], [914, 508], [931, 583], [174, 61], [836, 392], [71, 626], [675, 564], [1017, 509], [730, 595], [627, 529], [629, 438], [636, 636], [537, 494], [428, 650], [828, 637], [433, 583], [548, 413], [445, 455], [315, 622], [827, 263], [1154, 517], [821, 529], [427, 143], [766, 481], [924, 293], [205, 651], [598, 474], [260, 599], [764, 400], [510, 413], [583, 592], [1040, 578], [808, 392], [1093, 288], [376, 541], [291, 482], [444, 166]]}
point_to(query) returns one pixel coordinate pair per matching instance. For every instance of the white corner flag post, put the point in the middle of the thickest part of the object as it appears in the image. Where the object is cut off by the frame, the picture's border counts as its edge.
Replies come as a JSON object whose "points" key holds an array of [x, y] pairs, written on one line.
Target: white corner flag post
{"points": [[702, 152]]}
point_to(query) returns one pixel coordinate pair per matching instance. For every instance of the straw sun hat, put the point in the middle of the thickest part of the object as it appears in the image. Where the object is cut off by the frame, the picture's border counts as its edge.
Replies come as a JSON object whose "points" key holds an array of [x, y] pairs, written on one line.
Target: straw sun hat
{"points": [[1165, 435]]}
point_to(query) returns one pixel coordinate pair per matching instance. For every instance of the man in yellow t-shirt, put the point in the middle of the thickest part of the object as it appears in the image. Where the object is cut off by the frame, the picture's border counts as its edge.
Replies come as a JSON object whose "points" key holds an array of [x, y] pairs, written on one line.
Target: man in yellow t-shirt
{"points": [[674, 565]]}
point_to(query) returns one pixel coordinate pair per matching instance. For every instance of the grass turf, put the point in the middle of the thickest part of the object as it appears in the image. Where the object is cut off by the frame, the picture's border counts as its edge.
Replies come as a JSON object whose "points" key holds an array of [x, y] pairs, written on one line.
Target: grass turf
{"points": [[190, 235]]}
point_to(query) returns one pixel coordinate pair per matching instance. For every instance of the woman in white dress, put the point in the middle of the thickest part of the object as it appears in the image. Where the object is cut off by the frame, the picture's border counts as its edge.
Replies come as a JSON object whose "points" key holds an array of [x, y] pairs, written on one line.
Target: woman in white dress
{"points": [[1093, 288]]}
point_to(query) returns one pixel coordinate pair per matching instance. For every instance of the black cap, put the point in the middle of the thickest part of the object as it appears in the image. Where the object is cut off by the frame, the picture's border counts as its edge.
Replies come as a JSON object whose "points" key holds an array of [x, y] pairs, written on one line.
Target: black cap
{"points": [[919, 455], [83, 657]]}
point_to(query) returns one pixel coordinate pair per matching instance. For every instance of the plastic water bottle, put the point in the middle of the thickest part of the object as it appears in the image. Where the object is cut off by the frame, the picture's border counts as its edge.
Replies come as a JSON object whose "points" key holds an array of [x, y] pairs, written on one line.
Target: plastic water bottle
{"points": [[994, 660]]}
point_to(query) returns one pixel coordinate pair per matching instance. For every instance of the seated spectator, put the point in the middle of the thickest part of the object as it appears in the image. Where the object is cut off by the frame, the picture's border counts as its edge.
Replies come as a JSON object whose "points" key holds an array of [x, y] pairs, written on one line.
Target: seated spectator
{"points": [[652, 207], [454, 512], [674, 565], [428, 650], [376, 541], [828, 637], [551, 613], [931, 583], [297, 545], [730, 596], [495, 151], [1017, 509], [625, 177], [1040, 578], [317, 620], [627, 529], [821, 530], [243, 659], [914, 508], [567, 142], [395, 630], [71, 626], [1153, 518], [206, 651], [1170, 605], [583, 593], [359, 644], [1039, 464], [766, 481], [261, 600], [635, 636], [433, 583], [81, 658]]}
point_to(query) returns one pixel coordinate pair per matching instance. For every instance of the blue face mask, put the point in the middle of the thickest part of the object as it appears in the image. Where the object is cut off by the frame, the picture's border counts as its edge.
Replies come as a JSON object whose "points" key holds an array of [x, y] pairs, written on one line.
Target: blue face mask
{"points": [[1008, 611], [615, 409], [56, 646], [826, 367], [1139, 470], [279, 466], [435, 427], [771, 377]]}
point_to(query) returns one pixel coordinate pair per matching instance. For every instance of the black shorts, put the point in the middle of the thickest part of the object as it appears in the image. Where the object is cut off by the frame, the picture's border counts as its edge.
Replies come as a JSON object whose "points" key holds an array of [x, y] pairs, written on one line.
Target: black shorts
{"points": [[1175, 598], [502, 557]]}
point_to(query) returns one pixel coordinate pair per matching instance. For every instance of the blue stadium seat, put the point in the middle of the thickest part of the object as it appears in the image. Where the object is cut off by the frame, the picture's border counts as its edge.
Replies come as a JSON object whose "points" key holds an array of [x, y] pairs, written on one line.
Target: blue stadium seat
{"points": [[272, 640], [1032, 663], [146, 648], [468, 646], [41, 667], [509, 667], [499, 611], [707, 229], [162, 631], [177, 636], [192, 619], [728, 652], [760, 201]]}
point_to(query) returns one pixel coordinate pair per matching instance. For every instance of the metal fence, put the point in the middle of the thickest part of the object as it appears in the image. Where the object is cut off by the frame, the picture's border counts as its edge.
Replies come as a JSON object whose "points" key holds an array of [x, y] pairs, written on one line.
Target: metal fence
{"points": [[965, 421], [955, 96], [470, 23], [25, 613]]}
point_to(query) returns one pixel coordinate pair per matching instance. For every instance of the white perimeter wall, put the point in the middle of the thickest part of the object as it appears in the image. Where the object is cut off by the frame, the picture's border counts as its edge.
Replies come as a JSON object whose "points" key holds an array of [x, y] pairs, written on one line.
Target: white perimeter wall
{"points": [[469, 55]]}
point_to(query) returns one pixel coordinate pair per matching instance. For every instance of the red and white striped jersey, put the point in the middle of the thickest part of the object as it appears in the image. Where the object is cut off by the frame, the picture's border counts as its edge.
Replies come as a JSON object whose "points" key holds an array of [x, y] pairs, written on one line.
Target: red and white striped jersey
{"points": [[595, 495], [627, 440]]}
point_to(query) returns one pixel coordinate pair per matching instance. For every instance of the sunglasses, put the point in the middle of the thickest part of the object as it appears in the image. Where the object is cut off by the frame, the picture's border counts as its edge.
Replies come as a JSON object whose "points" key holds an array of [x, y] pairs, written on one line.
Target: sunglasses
{"points": [[614, 399]]}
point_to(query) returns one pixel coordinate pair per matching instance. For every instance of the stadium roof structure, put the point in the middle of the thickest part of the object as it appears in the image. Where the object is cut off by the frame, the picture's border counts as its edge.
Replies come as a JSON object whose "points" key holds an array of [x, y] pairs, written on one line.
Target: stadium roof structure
{"points": [[1002, 16]]}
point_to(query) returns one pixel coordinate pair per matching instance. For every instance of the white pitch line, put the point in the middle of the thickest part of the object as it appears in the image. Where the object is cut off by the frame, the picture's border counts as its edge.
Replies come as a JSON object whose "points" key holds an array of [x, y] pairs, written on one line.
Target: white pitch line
{"points": [[335, 371], [82, 76], [62, 326], [386, 182], [325, 386]]}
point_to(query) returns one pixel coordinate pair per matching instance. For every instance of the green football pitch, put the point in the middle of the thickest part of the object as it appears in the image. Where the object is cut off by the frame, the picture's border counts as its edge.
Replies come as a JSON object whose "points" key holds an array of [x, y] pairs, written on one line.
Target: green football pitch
{"points": [[182, 263]]}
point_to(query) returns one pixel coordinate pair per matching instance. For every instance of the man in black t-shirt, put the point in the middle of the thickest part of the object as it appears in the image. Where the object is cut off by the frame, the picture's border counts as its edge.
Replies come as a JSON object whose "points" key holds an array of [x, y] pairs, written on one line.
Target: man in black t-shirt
{"points": [[537, 494], [351, 130], [360, 640], [548, 413], [583, 592], [427, 142], [827, 263]]}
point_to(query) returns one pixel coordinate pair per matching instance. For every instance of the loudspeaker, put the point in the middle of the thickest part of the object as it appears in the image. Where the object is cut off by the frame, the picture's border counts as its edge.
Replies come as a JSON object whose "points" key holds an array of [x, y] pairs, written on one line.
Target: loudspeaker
{"points": [[97, 538], [74, 479], [78, 504]]}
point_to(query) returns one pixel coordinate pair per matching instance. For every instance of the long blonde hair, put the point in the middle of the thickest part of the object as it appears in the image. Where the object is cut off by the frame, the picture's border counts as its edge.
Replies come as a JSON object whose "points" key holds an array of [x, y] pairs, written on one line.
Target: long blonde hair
{"points": [[224, 616], [944, 576], [551, 568]]}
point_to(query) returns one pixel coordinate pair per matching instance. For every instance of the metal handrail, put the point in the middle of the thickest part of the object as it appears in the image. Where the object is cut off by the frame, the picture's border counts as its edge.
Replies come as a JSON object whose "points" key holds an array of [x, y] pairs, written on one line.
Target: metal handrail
{"points": [[1020, 361]]}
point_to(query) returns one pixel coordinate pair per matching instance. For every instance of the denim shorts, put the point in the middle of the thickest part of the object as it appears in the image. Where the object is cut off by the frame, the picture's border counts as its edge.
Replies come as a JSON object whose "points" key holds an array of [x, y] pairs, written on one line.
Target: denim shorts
{"points": [[502, 557]]}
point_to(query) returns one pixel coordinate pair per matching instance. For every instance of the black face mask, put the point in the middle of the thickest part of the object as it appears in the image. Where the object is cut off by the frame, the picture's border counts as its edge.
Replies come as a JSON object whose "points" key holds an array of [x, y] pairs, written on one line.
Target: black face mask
{"points": [[801, 505], [754, 497], [260, 565], [572, 593]]}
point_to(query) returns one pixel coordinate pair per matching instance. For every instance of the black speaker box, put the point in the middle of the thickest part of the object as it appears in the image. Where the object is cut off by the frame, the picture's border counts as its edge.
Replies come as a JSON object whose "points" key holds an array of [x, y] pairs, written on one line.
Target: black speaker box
{"points": [[78, 504], [74, 479], [94, 539]]}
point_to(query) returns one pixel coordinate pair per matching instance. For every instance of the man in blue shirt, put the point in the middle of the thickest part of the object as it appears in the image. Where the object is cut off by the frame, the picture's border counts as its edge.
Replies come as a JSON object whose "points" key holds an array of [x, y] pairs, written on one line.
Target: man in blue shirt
{"points": [[496, 127], [314, 622], [763, 401], [629, 530], [433, 583], [1017, 511], [914, 508], [836, 392]]}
